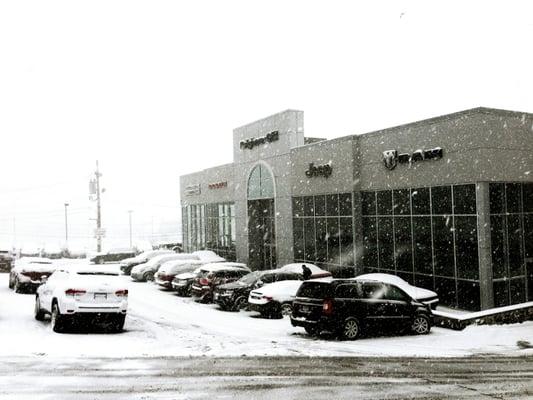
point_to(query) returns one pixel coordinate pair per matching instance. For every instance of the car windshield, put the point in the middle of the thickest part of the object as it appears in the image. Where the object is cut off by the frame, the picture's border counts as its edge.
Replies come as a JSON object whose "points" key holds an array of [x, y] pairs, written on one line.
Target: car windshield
{"points": [[250, 278]]}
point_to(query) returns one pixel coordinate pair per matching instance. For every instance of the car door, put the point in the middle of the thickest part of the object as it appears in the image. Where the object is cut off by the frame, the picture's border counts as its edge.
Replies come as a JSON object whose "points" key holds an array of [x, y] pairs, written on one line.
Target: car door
{"points": [[397, 306], [348, 303], [372, 297]]}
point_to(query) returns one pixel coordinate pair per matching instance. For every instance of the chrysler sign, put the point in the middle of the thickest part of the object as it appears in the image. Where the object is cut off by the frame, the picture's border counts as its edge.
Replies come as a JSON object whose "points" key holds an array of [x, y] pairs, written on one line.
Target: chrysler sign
{"points": [[252, 142]]}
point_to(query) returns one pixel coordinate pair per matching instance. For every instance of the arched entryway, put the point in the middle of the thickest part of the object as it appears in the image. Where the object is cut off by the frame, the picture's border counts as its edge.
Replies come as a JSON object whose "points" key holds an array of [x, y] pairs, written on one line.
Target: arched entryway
{"points": [[261, 218]]}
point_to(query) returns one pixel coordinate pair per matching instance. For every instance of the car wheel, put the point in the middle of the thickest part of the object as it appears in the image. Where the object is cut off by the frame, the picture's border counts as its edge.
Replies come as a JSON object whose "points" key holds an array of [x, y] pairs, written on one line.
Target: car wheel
{"points": [[16, 286], [240, 303], [39, 313], [351, 329], [286, 309], [420, 325], [57, 320], [311, 331], [148, 276]]}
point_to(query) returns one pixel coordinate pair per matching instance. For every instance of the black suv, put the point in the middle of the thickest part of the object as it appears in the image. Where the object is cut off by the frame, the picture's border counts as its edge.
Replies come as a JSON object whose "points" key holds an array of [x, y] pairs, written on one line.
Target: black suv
{"points": [[234, 295], [349, 308]]}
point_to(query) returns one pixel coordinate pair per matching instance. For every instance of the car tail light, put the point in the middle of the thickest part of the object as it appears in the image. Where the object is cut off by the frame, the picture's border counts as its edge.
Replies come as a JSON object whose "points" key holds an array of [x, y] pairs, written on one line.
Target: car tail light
{"points": [[327, 307], [75, 292], [122, 293], [204, 281]]}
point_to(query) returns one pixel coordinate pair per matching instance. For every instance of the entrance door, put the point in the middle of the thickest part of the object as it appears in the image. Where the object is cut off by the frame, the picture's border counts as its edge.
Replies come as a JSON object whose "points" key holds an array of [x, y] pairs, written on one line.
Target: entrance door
{"points": [[529, 273], [261, 234]]}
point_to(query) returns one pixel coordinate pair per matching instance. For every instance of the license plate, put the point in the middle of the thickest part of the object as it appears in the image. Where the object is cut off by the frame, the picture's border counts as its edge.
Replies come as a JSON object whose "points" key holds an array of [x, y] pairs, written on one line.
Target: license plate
{"points": [[100, 296]]}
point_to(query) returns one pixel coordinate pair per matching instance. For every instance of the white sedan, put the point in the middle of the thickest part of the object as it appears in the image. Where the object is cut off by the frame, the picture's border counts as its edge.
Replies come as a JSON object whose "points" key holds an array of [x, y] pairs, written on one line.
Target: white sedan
{"points": [[75, 294], [422, 295]]}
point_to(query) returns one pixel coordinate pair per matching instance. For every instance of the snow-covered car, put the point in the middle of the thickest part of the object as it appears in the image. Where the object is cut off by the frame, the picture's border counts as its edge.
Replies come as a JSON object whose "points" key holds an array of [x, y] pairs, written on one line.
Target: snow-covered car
{"points": [[313, 272], [127, 264], [421, 295], [168, 271], [275, 299], [182, 282], [6, 260], [82, 294], [28, 272], [146, 272], [211, 275], [113, 255]]}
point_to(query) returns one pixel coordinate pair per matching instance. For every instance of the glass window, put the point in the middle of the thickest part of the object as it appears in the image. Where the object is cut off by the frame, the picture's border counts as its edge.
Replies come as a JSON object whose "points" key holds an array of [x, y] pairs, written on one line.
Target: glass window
{"points": [[420, 201], [528, 197], [393, 293], [513, 192], [370, 251], [403, 244], [260, 183], [466, 247], [297, 206], [373, 290], [441, 199], [528, 236], [345, 203], [464, 199], [517, 290], [333, 240], [254, 183], [501, 293], [468, 297], [497, 239], [444, 263], [347, 291], [384, 202], [321, 240], [386, 244], [332, 204], [309, 206], [368, 203], [298, 228], [402, 203], [422, 245], [309, 234], [346, 241], [497, 198], [516, 256], [446, 290], [320, 205]]}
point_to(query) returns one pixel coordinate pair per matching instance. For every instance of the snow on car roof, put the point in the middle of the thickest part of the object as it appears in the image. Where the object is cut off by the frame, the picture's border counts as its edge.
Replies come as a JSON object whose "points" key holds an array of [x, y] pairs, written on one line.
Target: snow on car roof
{"points": [[223, 265], [34, 260], [413, 291], [87, 270], [208, 256], [297, 268]]}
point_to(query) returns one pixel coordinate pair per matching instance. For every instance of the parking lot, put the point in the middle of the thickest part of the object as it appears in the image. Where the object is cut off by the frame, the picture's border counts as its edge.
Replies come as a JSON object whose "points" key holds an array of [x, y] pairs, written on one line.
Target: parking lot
{"points": [[159, 323]]}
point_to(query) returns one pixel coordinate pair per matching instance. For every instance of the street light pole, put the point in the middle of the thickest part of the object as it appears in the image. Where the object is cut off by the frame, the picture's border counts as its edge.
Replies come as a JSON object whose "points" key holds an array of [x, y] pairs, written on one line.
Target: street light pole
{"points": [[66, 227], [129, 212]]}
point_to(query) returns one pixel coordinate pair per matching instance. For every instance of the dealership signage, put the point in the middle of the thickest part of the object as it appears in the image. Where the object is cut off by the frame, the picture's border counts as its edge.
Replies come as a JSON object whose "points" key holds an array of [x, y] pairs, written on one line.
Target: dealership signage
{"points": [[218, 185], [391, 158], [192, 189], [324, 170], [252, 142]]}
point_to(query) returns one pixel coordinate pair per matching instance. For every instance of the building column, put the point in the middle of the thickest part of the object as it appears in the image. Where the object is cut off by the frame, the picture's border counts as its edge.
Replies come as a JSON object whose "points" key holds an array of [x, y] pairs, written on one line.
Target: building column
{"points": [[484, 245]]}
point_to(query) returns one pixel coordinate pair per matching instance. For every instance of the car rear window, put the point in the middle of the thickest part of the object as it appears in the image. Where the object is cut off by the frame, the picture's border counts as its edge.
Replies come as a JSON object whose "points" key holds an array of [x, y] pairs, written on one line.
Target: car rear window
{"points": [[314, 290]]}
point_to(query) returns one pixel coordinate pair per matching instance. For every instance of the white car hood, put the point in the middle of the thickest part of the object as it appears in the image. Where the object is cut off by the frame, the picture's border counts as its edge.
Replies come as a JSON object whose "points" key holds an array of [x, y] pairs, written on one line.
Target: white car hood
{"points": [[186, 275], [280, 291]]}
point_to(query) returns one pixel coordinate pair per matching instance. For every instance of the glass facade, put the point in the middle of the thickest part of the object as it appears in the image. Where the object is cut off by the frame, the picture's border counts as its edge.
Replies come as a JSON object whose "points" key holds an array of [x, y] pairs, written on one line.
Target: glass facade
{"points": [[511, 220], [427, 236], [323, 231], [210, 227], [260, 183]]}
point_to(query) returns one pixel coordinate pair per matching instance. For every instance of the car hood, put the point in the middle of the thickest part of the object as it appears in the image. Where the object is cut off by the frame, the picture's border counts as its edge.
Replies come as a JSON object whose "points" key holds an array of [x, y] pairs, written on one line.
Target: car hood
{"points": [[186, 275], [280, 291]]}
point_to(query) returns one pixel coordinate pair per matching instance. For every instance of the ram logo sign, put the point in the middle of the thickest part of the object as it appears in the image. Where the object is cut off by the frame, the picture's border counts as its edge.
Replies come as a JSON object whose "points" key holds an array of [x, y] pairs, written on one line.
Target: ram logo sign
{"points": [[391, 158]]}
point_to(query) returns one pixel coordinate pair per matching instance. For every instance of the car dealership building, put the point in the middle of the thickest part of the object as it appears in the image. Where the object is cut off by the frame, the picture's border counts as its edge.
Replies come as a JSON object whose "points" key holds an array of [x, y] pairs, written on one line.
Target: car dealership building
{"points": [[445, 203]]}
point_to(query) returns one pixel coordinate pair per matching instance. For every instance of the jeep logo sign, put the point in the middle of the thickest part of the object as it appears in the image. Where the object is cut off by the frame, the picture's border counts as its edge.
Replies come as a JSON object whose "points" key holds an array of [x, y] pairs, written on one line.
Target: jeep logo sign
{"points": [[391, 158]]}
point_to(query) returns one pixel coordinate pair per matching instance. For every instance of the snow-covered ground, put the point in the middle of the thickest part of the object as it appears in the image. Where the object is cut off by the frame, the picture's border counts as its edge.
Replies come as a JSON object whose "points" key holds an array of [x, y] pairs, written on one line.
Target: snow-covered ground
{"points": [[160, 323]]}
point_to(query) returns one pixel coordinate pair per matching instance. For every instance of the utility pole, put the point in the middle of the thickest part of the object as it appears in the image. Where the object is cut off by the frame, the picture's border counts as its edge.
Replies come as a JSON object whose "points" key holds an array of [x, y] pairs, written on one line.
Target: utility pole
{"points": [[66, 227], [129, 212], [98, 211]]}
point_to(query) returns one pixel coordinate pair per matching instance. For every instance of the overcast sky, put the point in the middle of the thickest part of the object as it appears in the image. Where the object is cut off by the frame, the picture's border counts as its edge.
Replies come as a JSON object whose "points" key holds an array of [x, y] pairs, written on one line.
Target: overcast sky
{"points": [[153, 90]]}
